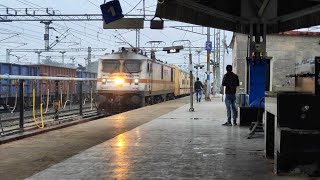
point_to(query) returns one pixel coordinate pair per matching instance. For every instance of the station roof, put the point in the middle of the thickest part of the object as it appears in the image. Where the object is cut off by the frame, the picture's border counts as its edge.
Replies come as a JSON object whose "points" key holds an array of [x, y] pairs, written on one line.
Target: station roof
{"points": [[237, 15]]}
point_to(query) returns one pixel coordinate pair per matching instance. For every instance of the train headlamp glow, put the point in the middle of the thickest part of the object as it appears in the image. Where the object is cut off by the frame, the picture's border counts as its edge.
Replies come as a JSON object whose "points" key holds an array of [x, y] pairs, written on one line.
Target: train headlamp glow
{"points": [[119, 81], [136, 81], [104, 81]]}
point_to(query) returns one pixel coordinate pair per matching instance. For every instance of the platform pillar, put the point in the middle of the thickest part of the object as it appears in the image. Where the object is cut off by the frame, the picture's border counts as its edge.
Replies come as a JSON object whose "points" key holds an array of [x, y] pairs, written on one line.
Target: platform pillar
{"points": [[21, 103], [56, 102], [80, 98]]}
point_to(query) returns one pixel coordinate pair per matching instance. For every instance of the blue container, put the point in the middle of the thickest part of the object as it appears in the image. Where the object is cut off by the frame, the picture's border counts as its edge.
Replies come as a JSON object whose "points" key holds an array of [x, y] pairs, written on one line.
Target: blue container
{"points": [[7, 87], [86, 85]]}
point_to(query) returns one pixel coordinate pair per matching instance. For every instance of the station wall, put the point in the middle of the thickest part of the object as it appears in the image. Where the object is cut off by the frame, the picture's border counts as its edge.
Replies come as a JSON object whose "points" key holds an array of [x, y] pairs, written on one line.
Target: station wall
{"points": [[285, 51]]}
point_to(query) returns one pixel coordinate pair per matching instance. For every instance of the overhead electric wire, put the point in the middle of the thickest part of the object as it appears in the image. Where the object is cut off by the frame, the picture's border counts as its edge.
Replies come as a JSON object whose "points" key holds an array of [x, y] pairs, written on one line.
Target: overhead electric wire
{"points": [[94, 4], [86, 35], [146, 35], [81, 26], [133, 7], [185, 34], [127, 3]]}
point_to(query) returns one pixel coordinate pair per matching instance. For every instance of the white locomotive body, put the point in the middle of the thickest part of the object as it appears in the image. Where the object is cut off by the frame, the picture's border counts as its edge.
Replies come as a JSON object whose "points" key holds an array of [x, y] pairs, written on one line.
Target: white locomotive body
{"points": [[127, 79]]}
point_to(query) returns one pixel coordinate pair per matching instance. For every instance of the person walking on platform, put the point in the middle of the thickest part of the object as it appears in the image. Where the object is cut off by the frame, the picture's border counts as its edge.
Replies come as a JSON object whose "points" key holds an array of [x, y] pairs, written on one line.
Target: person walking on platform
{"points": [[198, 89], [231, 82]]}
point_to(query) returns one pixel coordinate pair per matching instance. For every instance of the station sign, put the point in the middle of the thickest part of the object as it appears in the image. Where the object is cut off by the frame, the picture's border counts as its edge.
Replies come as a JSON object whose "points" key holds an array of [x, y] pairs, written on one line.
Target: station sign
{"points": [[46, 37], [111, 11], [209, 46]]}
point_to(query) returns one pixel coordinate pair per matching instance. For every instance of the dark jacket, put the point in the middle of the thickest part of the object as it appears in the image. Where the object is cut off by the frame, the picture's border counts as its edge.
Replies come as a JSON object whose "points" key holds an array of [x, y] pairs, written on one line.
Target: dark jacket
{"points": [[198, 85], [230, 81]]}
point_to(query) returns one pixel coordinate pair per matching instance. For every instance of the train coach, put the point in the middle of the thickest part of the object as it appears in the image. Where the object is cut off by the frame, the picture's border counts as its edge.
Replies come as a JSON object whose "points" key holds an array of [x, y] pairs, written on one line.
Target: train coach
{"points": [[127, 79]]}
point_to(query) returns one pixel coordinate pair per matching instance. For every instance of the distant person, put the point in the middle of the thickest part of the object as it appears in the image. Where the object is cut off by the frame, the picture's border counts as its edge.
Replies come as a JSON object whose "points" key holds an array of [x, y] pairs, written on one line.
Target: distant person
{"points": [[212, 89], [230, 81], [198, 89]]}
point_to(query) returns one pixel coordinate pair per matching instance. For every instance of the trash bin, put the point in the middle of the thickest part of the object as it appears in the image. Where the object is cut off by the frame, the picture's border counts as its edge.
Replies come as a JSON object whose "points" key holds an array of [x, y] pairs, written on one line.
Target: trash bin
{"points": [[242, 100]]}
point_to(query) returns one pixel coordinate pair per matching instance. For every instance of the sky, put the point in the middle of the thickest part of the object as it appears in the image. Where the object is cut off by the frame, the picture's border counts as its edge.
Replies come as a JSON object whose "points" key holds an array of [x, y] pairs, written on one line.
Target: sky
{"points": [[29, 35]]}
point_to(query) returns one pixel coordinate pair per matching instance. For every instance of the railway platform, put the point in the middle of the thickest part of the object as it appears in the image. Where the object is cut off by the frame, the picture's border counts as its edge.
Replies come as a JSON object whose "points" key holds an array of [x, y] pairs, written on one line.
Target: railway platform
{"points": [[162, 141]]}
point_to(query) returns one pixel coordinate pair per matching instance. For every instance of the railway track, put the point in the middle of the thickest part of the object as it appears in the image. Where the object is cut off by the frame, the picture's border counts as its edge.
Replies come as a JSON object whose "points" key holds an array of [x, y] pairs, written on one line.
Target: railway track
{"points": [[10, 126]]}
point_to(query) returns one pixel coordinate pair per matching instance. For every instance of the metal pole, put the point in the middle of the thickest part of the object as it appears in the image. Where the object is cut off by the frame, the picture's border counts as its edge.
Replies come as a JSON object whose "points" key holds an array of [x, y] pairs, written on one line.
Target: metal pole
{"points": [[21, 101], [207, 95], [198, 65], [80, 98], [191, 75], [56, 97], [89, 56], [8, 55], [144, 9], [215, 63], [38, 52], [224, 54], [191, 78], [46, 35], [62, 56]]}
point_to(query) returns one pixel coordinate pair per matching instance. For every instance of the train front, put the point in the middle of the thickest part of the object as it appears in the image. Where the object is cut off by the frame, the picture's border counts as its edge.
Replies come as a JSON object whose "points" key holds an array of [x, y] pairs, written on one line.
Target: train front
{"points": [[119, 82]]}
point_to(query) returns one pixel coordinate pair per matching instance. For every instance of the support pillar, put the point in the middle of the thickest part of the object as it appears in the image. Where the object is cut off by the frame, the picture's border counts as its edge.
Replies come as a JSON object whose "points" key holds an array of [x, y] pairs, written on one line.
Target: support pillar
{"points": [[57, 102], [80, 98], [207, 93], [38, 52], [191, 80], [89, 56], [62, 56], [8, 55], [21, 103], [46, 34]]}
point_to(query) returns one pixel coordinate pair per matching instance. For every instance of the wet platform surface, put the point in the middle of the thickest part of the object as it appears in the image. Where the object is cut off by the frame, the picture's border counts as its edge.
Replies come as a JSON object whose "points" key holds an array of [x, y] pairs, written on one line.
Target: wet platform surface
{"points": [[176, 145], [23, 158]]}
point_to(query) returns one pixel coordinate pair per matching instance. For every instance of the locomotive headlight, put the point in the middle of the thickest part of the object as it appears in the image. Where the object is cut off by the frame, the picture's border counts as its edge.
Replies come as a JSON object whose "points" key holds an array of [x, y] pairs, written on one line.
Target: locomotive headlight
{"points": [[119, 81], [136, 81], [104, 81]]}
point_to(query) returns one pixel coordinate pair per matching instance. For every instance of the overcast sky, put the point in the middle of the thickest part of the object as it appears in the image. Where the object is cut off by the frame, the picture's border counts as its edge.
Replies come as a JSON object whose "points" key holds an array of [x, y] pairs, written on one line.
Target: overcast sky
{"points": [[29, 35]]}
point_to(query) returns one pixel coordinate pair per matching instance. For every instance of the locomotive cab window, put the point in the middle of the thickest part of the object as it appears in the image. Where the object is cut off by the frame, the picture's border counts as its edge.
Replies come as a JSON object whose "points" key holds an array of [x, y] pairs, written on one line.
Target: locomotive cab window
{"points": [[172, 75], [111, 66], [131, 66]]}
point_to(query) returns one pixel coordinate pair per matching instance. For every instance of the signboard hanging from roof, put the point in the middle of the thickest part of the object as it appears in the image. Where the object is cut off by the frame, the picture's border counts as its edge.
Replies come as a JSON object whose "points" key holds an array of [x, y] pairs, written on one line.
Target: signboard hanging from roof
{"points": [[125, 23], [113, 17], [111, 11]]}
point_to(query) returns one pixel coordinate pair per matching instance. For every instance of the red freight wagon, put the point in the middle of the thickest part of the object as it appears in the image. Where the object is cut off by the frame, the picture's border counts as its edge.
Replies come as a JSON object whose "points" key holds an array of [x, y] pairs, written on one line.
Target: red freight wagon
{"points": [[55, 71]]}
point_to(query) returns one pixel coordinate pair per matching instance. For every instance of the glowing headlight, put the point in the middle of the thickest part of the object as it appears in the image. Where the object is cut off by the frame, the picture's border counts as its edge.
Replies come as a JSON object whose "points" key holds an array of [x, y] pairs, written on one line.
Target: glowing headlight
{"points": [[104, 81], [119, 81], [136, 81]]}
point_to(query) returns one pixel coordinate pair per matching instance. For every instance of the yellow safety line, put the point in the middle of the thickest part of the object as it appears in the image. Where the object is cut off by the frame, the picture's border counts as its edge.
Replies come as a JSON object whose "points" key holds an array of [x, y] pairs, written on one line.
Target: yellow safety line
{"points": [[47, 105], [60, 104], [15, 101], [34, 110], [84, 101], [65, 103]]}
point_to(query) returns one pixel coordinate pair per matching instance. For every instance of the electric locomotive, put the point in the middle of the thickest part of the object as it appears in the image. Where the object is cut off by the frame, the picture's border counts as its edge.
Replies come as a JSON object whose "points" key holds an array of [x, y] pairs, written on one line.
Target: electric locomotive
{"points": [[128, 79]]}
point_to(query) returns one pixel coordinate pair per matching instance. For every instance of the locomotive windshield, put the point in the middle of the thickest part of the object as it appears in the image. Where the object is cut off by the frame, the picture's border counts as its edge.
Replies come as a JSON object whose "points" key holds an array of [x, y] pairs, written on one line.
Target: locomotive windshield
{"points": [[131, 66], [111, 66]]}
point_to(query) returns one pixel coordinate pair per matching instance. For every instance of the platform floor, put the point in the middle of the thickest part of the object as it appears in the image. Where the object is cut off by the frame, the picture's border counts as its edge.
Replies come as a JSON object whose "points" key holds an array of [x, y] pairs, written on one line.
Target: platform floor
{"points": [[177, 145]]}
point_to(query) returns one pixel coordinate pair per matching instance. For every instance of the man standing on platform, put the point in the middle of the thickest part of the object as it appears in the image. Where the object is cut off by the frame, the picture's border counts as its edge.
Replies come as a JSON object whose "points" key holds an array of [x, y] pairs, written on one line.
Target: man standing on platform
{"points": [[231, 82], [198, 89]]}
